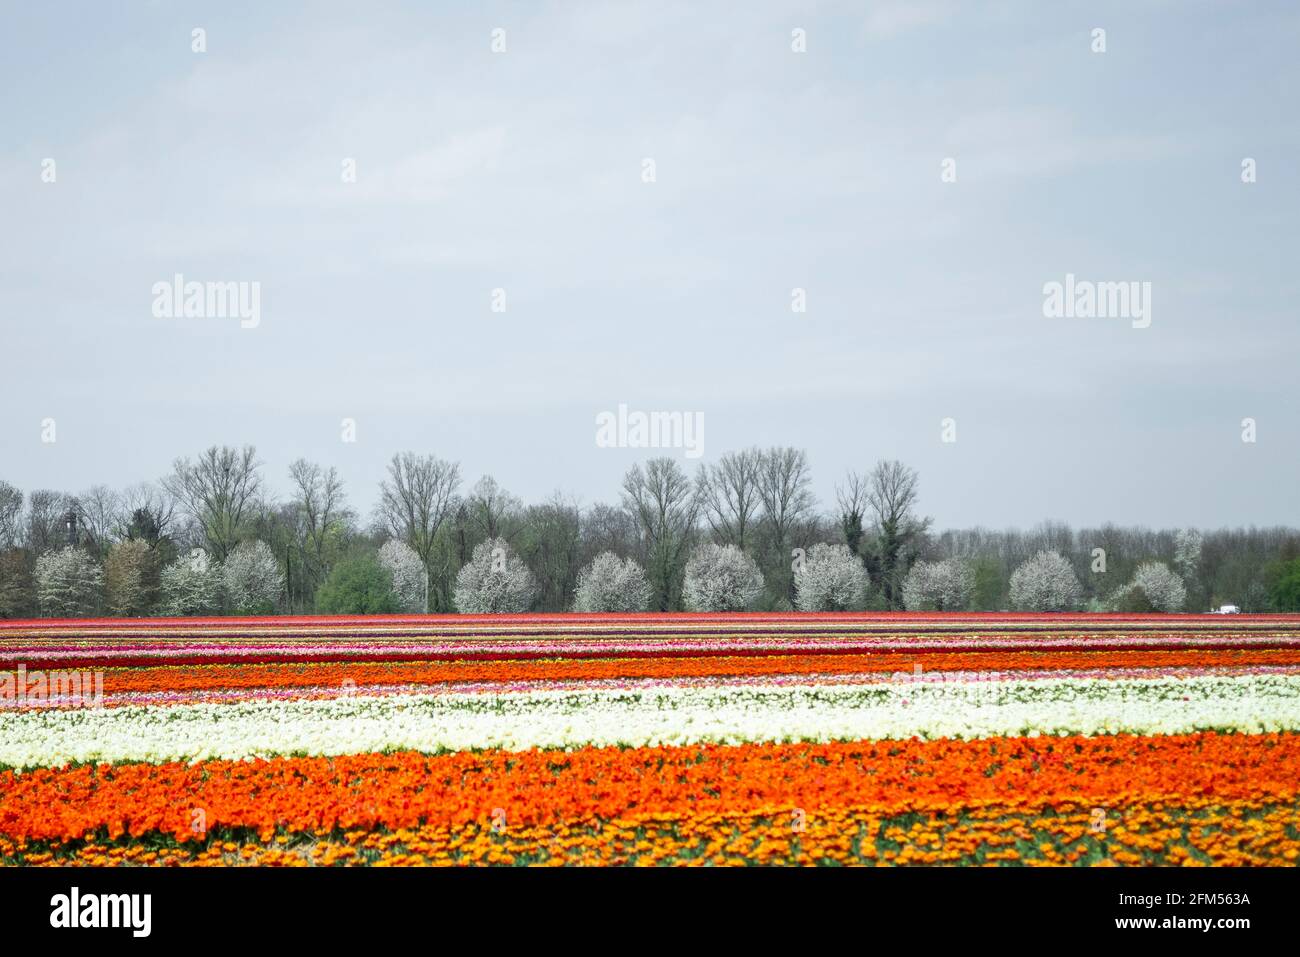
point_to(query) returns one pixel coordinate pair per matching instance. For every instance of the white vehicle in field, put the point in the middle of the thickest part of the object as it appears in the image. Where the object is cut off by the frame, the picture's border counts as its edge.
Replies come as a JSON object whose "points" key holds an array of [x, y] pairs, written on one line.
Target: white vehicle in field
{"points": [[1226, 610]]}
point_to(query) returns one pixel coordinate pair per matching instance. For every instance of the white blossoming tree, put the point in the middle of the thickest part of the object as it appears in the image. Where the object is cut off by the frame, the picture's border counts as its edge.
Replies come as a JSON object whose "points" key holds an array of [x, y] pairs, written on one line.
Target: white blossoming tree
{"points": [[939, 586], [610, 583], [409, 579], [253, 579], [1045, 582], [69, 583], [191, 585], [830, 578], [1155, 587], [1187, 553], [721, 578], [494, 581], [1188, 544]]}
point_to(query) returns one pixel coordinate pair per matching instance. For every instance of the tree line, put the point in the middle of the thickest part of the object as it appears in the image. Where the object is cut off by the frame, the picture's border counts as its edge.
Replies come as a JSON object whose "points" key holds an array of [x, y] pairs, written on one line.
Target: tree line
{"points": [[212, 537]]}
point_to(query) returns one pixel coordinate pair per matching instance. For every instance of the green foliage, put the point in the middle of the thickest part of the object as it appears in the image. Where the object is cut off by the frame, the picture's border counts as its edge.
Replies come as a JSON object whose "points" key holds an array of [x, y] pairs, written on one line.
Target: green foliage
{"points": [[358, 586], [143, 526], [875, 600], [1133, 601], [17, 587], [990, 592], [770, 602], [1285, 590]]}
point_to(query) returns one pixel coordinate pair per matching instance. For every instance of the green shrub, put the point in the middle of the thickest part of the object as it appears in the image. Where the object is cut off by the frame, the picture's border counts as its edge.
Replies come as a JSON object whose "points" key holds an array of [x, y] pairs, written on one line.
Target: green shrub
{"points": [[990, 590], [358, 586], [1133, 601], [17, 587], [1285, 591]]}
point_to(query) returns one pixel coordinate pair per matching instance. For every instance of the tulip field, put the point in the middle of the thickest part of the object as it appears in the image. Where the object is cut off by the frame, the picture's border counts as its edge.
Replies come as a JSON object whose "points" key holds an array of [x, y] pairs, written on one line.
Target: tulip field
{"points": [[676, 739]]}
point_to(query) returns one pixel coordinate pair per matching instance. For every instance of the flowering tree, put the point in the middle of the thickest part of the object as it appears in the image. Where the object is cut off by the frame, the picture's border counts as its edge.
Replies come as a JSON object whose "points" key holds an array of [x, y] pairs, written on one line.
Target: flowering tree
{"points": [[253, 580], [1155, 587], [494, 581], [829, 578], [611, 583], [1187, 559], [939, 586], [68, 583], [131, 578], [721, 578], [1045, 582], [409, 578], [191, 585]]}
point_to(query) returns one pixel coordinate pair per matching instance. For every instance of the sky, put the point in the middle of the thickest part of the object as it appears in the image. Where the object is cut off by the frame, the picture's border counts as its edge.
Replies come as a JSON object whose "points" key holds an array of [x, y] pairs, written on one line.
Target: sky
{"points": [[791, 146]]}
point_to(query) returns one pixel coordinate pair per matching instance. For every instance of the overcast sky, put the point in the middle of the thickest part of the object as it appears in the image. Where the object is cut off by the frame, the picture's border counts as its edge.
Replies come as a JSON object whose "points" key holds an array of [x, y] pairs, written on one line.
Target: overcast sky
{"points": [[774, 170]]}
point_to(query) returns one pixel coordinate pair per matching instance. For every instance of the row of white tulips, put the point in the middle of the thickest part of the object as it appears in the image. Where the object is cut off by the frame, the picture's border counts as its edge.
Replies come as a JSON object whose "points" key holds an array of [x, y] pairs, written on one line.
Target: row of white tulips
{"points": [[659, 716]]}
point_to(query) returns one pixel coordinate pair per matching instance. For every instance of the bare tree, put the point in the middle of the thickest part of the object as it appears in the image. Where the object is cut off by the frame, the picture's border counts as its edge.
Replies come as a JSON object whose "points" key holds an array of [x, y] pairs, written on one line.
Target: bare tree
{"points": [[220, 492], [852, 500], [891, 490], [606, 528], [416, 498], [550, 542], [147, 512], [661, 499], [47, 517], [729, 493], [491, 509], [319, 509], [11, 516], [97, 512], [784, 490]]}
